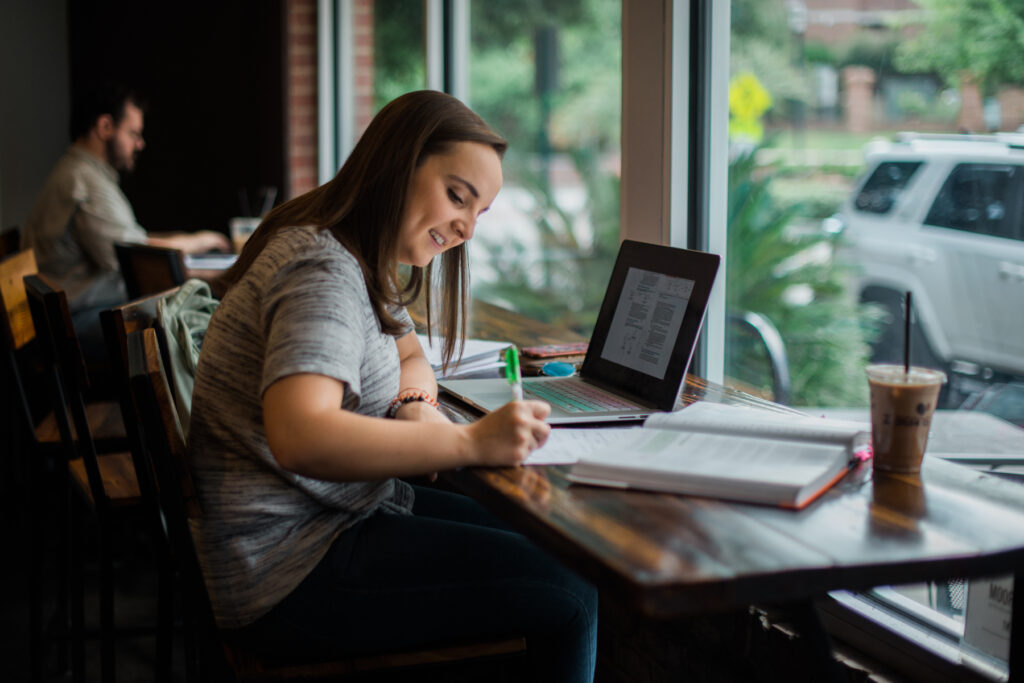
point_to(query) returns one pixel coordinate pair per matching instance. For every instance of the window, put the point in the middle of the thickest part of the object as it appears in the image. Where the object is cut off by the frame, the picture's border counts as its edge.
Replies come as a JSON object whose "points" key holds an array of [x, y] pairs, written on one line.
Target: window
{"points": [[883, 187], [979, 198], [547, 77], [796, 135], [802, 89], [397, 51], [810, 88]]}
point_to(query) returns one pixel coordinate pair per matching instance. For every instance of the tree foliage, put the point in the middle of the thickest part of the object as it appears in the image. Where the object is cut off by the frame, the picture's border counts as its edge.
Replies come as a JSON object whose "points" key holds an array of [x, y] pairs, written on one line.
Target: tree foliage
{"points": [[586, 105], [825, 332], [577, 246], [564, 281], [566, 284], [398, 63], [982, 38], [763, 44]]}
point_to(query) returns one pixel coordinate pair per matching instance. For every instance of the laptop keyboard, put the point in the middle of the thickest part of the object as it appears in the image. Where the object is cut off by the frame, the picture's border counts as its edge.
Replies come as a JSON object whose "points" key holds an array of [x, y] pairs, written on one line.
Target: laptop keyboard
{"points": [[574, 396]]}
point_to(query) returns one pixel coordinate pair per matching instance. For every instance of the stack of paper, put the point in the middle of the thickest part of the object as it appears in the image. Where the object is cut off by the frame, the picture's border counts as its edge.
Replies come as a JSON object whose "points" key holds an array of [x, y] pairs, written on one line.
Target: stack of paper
{"points": [[210, 261], [478, 354]]}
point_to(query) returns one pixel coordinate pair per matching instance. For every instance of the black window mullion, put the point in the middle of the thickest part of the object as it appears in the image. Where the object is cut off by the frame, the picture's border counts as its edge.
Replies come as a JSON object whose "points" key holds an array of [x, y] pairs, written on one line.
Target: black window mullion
{"points": [[699, 125]]}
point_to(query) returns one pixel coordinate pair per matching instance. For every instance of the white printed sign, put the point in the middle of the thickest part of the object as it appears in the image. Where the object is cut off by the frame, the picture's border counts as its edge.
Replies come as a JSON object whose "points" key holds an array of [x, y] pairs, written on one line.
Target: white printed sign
{"points": [[989, 612]]}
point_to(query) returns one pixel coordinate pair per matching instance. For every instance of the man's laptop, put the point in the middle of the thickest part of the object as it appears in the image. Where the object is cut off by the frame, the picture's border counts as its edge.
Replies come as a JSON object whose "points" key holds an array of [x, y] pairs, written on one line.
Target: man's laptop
{"points": [[640, 349]]}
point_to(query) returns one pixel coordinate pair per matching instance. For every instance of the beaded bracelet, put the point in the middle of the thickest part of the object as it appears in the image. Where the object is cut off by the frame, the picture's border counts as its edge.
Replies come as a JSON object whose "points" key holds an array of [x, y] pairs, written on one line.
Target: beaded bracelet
{"points": [[409, 396]]}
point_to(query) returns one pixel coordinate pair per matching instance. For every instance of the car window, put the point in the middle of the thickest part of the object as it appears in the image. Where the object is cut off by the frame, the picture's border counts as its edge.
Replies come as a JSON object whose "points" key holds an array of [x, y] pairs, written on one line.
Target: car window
{"points": [[978, 198], [883, 187]]}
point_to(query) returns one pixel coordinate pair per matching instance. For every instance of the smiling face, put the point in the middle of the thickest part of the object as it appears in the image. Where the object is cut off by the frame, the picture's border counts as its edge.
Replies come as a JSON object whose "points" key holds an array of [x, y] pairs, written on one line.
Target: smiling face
{"points": [[448, 192]]}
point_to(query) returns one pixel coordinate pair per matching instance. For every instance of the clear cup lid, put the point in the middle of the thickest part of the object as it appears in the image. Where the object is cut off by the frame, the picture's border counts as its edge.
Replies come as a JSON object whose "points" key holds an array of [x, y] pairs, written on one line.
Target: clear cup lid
{"points": [[895, 374]]}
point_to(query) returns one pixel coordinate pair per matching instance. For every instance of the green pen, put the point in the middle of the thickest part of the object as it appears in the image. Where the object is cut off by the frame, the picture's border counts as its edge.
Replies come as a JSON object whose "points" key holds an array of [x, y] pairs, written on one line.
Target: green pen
{"points": [[512, 372]]}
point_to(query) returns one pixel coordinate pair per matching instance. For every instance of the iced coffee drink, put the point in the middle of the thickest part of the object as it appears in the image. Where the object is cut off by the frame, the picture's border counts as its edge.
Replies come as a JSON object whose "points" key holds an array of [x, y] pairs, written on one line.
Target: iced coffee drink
{"points": [[902, 404]]}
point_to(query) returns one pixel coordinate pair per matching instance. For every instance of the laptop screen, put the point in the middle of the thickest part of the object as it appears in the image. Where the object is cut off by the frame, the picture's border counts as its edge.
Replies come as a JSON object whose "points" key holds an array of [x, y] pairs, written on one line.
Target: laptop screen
{"points": [[651, 316], [647, 321]]}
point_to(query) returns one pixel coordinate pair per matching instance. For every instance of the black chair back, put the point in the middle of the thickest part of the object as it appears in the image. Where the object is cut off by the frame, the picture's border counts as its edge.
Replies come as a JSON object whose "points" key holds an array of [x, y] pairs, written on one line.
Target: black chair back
{"points": [[164, 446], [10, 241], [148, 270], [66, 377]]}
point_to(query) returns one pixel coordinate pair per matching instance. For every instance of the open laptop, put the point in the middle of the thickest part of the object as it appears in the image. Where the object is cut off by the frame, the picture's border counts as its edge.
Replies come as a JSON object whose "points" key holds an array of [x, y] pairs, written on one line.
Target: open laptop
{"points": [[640, 349]]}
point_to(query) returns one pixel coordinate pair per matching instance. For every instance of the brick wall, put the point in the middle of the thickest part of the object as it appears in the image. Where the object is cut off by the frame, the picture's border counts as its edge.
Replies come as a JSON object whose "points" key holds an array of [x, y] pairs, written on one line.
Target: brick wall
{"points": [[363, 38], [859, 88], [301, 97], [301, 87], [834, 22], [1011, 100]]}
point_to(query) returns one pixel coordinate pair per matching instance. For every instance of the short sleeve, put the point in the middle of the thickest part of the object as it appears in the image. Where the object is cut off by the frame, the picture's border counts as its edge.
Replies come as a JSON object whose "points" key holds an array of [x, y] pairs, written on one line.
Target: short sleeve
{"points": [[401, 315], [313, 319]]}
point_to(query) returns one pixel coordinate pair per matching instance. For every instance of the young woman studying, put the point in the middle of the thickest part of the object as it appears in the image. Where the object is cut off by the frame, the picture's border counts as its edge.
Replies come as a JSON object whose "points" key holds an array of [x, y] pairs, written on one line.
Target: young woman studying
{"points": [[312, 397]]}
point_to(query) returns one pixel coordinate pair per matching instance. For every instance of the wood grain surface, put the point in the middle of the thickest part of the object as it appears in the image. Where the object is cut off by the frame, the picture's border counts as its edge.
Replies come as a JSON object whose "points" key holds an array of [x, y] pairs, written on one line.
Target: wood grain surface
{"points": [[671, 555]]}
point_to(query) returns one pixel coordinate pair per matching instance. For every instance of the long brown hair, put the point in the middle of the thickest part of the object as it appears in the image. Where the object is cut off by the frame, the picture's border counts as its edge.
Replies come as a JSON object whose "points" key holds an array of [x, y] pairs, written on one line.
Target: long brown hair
{"points": [[362, 207]]}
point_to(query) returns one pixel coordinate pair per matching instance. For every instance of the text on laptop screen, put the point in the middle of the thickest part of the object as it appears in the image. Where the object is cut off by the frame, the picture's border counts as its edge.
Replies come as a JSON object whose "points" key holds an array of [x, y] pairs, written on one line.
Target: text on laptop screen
{"points": [[646, 322]]}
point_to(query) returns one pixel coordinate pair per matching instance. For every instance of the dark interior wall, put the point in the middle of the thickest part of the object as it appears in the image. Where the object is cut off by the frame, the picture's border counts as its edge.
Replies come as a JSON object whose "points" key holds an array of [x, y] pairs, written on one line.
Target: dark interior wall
{"points": [[212, 74], [33, 100]]}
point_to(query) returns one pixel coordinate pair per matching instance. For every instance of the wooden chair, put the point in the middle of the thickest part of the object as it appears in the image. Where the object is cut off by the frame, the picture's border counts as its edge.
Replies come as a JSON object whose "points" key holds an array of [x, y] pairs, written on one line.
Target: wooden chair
{"points": [[180, 506], [118, 323], [106, 482], [148, 270], [17, 337], [39, 440], [10, 241]]}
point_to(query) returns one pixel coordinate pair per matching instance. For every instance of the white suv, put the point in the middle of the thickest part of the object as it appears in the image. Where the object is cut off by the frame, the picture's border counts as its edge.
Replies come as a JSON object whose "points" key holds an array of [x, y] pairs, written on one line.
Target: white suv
{"points": [[943, 217]]}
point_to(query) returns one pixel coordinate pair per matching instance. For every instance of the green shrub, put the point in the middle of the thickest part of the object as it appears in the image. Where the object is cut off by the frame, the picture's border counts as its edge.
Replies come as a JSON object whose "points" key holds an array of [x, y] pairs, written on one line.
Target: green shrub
{"points": [[825, 334]]}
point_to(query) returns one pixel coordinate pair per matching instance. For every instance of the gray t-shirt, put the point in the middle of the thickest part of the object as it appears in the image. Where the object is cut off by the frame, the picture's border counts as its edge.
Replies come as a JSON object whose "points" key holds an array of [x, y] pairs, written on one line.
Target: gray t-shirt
{"points": [[302, 307], [79, 214]]}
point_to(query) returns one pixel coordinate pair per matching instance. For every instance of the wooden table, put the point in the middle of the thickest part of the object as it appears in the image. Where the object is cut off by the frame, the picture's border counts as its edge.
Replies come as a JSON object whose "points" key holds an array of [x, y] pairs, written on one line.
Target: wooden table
{"points": [[669, 556]]}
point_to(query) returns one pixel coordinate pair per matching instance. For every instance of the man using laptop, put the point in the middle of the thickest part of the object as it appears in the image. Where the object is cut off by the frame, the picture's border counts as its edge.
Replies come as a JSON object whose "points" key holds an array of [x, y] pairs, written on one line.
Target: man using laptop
{"points": [[81, 211]]}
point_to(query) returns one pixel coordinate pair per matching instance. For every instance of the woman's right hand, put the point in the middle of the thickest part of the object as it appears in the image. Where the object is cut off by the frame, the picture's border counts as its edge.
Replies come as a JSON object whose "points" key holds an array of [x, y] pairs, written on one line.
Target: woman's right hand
{"points": [[506, 436]]}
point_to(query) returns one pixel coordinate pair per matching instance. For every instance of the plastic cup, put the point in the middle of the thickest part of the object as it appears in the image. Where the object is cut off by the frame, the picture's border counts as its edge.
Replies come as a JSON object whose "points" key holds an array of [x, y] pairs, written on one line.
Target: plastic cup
{"points": [[241, 227], [902, 405]]}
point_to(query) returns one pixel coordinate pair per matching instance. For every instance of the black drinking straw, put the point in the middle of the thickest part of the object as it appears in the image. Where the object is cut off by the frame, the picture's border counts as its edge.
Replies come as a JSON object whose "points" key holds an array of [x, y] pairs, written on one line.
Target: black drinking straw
{"points": [[906, 337]]}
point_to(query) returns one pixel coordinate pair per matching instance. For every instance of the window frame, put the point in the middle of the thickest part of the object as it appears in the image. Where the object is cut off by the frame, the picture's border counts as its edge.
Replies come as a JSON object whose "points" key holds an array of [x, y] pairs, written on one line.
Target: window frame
{"points": [[670, 47], [675, 73], [335, 102], [888, 629], [684, 78], [675, 62]]}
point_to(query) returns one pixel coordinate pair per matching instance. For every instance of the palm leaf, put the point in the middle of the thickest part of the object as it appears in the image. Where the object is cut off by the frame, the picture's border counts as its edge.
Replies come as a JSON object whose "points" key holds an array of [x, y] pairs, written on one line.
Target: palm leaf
{"points": [[825, 336]]}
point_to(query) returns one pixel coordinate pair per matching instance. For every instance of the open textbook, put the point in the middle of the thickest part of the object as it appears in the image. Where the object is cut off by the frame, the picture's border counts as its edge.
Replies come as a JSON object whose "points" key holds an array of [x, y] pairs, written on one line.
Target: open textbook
{"points": [[721, 451]]}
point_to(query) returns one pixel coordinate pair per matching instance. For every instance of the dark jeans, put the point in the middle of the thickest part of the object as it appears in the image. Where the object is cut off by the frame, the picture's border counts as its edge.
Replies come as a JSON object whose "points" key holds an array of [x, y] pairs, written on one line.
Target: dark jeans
{"points": [[448, 573], [89, 331]]}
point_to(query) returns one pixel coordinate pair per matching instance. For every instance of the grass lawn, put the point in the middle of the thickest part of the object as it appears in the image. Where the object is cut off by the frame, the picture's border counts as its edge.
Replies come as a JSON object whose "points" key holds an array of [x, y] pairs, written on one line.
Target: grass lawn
{"points": [[823, 139]]}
